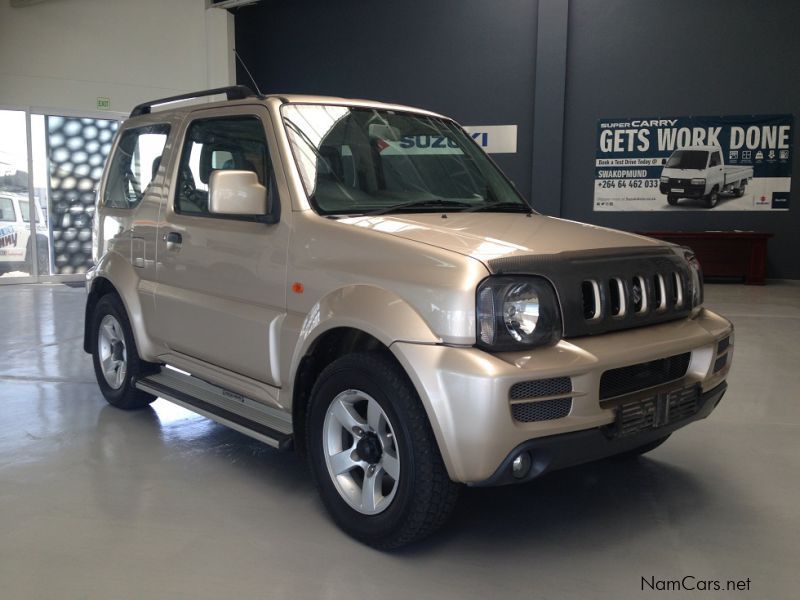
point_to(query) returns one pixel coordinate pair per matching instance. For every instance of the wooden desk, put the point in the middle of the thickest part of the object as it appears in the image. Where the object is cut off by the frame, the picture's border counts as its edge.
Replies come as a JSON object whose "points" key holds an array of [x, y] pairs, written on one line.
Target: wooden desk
{"points": [[725, 253]]}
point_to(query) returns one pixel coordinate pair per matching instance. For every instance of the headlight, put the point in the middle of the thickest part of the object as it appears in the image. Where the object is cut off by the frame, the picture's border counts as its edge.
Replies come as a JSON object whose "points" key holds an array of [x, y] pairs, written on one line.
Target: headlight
{"points": [[517, 312], [664, 179], [699, 181], [696, 272]]}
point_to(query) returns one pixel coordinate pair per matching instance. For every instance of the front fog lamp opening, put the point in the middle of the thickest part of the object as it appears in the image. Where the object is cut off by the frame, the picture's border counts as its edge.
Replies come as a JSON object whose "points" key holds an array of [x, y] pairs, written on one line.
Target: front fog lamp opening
{"points": [[521, 465]]}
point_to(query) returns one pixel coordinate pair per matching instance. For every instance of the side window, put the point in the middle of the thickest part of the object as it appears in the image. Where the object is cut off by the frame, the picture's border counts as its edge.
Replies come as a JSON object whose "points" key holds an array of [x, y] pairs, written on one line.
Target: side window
{"points": [[134, 165], [7, 212], [221, 143], [715, 160], [25, 209]]}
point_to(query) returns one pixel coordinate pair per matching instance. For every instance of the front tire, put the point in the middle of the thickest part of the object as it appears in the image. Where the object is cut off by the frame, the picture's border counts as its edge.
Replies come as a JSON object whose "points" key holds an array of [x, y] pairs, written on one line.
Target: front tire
{"points": [[712, 199], [672, 200], [373, 455], [116, 361]]}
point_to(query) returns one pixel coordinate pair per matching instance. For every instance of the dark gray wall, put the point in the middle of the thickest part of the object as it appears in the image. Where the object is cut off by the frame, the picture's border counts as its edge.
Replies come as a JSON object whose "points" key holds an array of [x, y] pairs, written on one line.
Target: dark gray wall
{"points": [[629, 58], [478, 60], [472, 60]]}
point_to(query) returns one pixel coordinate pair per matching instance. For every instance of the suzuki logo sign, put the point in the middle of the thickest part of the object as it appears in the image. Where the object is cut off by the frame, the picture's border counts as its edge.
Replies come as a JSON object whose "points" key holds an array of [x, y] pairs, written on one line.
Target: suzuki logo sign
{"points": [[494, 139]]}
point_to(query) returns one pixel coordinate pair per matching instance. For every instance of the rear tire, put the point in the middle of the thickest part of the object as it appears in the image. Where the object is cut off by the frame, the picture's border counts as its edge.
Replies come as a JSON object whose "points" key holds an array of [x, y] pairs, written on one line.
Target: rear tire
{"points": [[739, 191], [115, 358], [672, 200], [373, 454]]}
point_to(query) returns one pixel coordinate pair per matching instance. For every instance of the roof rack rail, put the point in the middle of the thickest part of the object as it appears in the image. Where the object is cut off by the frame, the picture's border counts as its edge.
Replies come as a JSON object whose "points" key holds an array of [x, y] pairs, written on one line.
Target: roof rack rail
{"points": [[233, 92]]}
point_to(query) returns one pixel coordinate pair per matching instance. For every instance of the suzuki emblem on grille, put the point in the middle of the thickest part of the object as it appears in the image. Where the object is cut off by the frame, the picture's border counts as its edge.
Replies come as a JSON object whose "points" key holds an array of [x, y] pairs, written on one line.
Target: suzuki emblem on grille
{"points": [[637, 294]]}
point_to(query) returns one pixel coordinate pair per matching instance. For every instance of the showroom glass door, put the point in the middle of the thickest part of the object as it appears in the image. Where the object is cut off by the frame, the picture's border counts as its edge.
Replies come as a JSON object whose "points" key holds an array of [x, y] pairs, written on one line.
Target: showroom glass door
{"points": [[16, 252], [51, 190], [69, 153]]}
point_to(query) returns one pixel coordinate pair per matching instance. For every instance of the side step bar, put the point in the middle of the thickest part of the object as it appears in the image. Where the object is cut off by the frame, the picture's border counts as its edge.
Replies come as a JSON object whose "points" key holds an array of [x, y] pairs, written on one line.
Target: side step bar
{"points": [[263, 423]]}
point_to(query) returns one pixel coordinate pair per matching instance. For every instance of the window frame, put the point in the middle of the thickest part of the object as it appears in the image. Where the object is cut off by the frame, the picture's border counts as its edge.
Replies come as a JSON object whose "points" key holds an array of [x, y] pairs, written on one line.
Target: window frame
{"points": [[269, 176]]}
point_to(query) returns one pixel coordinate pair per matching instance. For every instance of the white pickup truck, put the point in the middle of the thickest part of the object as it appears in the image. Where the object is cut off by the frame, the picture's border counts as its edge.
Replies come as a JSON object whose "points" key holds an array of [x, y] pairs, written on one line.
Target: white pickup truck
{"points": [[16, 251], [699, 172]]}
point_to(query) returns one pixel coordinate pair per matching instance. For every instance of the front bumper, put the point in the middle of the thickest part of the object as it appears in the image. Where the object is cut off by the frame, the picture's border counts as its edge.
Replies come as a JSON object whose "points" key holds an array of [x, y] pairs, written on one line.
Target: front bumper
{"points": [[466, 391], [687, 190], [569, 449]]}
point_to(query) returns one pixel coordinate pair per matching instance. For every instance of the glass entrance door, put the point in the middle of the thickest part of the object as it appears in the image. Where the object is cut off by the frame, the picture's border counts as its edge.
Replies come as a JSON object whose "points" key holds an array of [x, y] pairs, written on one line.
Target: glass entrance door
{"points": [[75, 152], [51, 191], [17, 252]]}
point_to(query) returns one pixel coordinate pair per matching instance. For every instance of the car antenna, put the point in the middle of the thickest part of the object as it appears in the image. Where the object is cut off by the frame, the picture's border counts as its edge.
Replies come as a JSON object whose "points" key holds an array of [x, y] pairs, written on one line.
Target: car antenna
{"points": [[249, 74]]}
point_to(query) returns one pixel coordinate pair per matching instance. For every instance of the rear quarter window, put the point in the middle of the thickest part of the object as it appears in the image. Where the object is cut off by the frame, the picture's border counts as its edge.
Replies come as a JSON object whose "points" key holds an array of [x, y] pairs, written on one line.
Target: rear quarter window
{"points": [[135, 163]]}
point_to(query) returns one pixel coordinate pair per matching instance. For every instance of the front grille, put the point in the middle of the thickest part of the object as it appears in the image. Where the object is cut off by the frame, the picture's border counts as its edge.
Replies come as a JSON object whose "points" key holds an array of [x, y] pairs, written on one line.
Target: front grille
{"points": [[541, 410], [636, 296], [655, 411], [607, 290], [625, 380], [540, 388]]}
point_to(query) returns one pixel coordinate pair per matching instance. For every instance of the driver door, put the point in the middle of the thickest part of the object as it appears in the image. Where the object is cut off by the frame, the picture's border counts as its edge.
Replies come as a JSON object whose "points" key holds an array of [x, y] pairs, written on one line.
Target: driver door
{"points": [[221, 293]]}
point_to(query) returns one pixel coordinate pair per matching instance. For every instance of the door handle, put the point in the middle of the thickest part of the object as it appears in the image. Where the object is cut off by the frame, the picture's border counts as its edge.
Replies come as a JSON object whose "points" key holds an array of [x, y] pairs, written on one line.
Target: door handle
{"points": [[173, 240]]}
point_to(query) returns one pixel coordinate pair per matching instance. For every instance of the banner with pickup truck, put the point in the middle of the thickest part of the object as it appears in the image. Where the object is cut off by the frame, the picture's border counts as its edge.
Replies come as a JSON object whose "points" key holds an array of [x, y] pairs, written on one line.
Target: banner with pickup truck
{"points": [[730, 163]]}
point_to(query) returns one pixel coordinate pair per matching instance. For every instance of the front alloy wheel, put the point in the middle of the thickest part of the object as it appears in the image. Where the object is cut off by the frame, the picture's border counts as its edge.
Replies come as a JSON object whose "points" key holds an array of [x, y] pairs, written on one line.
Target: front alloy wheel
{"points": [[361, 452], [373, 454]]}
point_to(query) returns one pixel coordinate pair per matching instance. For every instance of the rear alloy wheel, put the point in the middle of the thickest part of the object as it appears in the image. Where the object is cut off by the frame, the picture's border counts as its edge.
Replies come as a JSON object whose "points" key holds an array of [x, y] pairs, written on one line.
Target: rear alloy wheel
{"points": [[112, 352], [116, 361], [373, 455]]}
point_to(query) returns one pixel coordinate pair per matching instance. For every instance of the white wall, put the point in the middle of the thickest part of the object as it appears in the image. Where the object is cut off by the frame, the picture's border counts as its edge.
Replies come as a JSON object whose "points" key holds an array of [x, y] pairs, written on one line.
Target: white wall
{"points": [[65, 54]]}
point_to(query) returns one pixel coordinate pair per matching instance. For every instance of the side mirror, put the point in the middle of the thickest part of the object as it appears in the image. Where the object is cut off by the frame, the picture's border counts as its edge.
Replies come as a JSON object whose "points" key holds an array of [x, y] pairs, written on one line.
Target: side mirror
{"points": [[237, 193]]}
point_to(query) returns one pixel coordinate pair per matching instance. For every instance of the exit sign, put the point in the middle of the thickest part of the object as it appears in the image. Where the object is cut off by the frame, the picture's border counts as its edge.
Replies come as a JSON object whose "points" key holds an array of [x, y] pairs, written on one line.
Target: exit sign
{"points": [[103, 103]]}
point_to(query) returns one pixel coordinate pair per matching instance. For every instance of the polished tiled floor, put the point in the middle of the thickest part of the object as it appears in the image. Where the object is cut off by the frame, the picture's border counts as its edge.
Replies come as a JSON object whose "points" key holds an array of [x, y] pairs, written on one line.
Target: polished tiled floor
{"points": [[98, 503]]}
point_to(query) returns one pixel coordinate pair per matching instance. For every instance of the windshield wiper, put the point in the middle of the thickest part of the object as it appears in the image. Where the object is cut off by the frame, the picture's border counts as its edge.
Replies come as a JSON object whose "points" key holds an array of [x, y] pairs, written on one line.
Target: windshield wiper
{"points": [[431, 202]]}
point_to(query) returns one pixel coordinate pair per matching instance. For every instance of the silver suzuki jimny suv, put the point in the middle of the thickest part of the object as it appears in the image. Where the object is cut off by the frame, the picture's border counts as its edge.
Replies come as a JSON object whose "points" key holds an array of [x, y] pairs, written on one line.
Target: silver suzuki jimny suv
{"points": [[358, 281]]}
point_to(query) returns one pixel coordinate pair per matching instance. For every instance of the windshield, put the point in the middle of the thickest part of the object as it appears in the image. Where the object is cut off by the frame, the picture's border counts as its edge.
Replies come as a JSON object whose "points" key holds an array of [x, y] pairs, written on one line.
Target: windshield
{"points": [[688, 159], [362, 160]]}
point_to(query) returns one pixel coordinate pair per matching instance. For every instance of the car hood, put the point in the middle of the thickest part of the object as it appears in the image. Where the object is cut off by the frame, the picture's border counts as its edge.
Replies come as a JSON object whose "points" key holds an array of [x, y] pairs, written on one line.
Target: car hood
{"points": [[487, 236], [680, 173]]}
